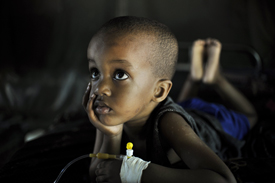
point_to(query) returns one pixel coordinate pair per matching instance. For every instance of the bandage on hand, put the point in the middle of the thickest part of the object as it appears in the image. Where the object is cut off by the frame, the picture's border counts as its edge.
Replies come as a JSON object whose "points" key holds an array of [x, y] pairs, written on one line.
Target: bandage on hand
{"points": [[131, 169]]}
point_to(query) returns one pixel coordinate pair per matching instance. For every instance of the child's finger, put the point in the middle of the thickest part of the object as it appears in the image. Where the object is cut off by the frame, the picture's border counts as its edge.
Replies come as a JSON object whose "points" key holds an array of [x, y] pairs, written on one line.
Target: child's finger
{"points": [[86, 95], [89, 105], [101, 178], [89, 109]]}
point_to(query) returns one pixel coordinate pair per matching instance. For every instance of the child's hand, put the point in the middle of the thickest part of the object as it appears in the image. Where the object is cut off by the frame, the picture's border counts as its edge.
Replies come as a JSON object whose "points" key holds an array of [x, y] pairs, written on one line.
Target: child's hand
{"points": [[108, 171], [87, 103]]}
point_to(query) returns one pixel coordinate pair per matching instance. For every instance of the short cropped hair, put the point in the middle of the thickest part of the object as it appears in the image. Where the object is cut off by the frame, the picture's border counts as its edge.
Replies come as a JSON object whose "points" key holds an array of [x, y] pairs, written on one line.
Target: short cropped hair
{"points": [[164, 49]]}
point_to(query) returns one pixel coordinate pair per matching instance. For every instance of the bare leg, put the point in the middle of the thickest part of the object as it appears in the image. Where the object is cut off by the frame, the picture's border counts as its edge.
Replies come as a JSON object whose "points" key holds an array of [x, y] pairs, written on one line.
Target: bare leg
{"points": [[191, 85], [230, 94]]}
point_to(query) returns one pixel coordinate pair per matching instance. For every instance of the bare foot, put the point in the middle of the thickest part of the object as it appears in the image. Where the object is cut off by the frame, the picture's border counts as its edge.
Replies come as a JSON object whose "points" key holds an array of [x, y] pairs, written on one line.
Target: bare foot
{"points": [[213, 50], [197, 59]]}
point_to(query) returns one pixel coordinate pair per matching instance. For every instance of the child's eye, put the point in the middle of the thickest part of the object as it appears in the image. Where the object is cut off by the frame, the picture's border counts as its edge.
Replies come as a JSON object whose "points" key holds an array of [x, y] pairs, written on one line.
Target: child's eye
{"points": [[94, 73], [121, 75]]}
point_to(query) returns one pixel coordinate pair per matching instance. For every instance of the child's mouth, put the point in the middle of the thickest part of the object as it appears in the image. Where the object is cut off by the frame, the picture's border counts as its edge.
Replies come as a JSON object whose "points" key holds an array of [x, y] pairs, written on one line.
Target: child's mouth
{"points": [[102, 108]]}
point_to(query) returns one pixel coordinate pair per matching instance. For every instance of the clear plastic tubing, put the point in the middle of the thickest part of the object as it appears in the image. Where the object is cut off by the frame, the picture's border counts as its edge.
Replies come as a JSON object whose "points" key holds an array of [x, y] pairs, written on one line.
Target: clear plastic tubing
{"points": [[98, 155], [129, 154]]}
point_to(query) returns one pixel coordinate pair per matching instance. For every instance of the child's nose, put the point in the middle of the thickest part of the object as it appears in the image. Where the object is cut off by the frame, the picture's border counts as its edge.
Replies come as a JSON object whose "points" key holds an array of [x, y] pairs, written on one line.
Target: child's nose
{"points": [[103, 88]]}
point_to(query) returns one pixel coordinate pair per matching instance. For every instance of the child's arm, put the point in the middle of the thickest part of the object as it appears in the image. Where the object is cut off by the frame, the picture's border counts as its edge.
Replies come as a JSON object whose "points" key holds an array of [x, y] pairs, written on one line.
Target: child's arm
{"points": [[204, 164], [98, 141], [109, 145], [108, 138]]}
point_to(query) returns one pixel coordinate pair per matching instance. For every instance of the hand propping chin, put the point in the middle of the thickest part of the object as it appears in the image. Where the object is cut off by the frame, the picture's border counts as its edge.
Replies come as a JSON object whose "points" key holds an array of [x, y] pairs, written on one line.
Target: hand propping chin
{"points": [[107, 130]]}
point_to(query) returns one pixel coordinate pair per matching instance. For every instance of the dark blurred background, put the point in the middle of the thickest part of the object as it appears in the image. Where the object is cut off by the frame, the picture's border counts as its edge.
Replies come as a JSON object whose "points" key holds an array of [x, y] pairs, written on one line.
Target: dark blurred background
{"points": [[43, 68]]}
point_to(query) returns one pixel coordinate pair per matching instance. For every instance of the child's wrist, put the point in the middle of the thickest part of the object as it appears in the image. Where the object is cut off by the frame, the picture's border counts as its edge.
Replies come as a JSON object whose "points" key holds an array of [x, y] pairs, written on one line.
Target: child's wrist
{"points": [[113, 136], [132, 169], [111, 144]]}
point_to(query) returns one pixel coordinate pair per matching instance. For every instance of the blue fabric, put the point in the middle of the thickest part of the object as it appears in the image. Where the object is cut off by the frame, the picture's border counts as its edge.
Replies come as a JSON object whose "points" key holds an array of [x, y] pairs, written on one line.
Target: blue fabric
{"points": [[233, 123]]}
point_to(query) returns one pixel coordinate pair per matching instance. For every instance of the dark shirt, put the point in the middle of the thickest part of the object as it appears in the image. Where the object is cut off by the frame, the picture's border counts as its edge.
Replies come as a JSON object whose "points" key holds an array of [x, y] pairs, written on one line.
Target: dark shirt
{"points": [[205, 126]]}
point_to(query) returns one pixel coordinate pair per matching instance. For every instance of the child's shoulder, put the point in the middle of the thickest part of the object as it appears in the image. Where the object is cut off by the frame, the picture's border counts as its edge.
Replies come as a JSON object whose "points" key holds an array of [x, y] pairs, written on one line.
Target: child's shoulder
{"points": [[173, 123], [169, 112], [169, 126], [172, 119]]}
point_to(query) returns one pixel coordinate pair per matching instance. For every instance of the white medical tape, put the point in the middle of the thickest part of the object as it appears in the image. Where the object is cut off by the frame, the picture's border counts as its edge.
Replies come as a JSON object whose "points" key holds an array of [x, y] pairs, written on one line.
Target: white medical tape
{"points": [[131, 169]]}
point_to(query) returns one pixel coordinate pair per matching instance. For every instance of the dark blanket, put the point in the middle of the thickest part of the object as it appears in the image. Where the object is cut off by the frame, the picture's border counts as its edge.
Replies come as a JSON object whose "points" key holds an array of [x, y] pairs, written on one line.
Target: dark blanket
{"points": [[41, 160]]}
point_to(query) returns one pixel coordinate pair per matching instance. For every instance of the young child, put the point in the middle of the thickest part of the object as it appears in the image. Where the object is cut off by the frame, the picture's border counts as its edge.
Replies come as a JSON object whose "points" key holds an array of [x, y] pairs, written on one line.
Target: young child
{"points": [[131, 62]]}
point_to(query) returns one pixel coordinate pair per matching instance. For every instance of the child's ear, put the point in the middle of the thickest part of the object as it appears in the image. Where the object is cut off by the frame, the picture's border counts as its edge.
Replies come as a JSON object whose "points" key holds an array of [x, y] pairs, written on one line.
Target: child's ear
{"points": [[162, 89]]}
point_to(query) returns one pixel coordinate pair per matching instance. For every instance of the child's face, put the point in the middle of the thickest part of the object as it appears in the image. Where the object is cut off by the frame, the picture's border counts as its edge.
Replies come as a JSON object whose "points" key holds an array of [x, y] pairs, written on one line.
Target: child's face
{"points": [[121, 79]]}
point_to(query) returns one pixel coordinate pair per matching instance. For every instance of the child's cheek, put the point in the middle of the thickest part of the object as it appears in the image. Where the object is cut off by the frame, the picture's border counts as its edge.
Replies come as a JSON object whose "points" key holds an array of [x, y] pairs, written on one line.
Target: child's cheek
{"points": [[137, 110]]}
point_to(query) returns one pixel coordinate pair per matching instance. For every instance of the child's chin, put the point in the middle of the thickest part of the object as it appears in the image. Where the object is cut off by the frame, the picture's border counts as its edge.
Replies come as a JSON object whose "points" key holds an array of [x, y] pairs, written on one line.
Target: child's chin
{"points": [[107, 122]]}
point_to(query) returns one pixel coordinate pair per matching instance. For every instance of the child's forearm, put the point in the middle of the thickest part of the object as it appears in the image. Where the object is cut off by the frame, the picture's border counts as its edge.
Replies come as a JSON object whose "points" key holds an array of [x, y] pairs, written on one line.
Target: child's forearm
{"points": [[157, 173], [111, 145], [98, 141], [104, 144]]}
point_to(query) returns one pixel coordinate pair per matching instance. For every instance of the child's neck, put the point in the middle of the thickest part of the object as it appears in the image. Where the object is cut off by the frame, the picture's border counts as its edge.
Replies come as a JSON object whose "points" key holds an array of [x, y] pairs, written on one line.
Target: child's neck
{"points": [[137, 135], [135, 131]]}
